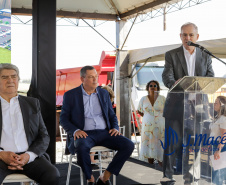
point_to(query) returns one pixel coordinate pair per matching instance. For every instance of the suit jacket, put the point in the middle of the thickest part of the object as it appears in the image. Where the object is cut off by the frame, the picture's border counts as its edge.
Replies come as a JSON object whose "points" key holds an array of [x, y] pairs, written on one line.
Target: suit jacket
{"points": [[35, 130], [176, 68], [72, 113]]}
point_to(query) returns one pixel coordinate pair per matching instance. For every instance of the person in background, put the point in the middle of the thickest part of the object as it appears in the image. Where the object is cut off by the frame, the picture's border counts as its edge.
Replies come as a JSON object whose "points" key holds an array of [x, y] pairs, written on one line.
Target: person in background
{"points": [[153, 124], [23, 135], [110, 91], [218, 128]]}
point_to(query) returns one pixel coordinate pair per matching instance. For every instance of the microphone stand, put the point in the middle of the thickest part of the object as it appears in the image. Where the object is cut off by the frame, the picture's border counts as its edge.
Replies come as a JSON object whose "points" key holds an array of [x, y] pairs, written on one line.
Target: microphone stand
{"points": [[205, 50]]}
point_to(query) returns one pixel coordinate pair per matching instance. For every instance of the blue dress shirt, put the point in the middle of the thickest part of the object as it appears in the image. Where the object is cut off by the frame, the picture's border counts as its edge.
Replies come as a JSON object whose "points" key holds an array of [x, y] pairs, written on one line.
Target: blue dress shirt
{"points": [[92, 111]]}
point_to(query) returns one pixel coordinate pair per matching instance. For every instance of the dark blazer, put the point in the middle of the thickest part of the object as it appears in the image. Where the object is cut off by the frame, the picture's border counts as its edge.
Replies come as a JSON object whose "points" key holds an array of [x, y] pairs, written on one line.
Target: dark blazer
{"points": [[176, 68], [36, 133], [72, 113]]}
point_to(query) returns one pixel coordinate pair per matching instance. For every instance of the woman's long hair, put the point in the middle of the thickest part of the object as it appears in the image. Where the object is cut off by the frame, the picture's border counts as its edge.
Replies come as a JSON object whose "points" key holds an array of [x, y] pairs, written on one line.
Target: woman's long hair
{"points": [[222, 100]]}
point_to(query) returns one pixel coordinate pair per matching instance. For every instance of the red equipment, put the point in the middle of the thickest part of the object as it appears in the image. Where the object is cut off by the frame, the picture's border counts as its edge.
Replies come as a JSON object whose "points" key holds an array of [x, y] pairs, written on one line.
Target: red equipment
{"points": [[67, 79]]}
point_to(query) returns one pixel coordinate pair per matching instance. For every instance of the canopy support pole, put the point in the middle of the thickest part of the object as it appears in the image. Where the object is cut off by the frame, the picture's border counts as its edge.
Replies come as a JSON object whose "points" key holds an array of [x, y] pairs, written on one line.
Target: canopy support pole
{"points": [[43, 82]]}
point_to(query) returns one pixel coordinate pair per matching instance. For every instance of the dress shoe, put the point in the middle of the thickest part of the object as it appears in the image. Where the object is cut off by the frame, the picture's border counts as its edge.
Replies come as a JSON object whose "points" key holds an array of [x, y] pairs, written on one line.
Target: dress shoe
{"points": [[100, 182], [91, 183], [168, 183], [166, 179], [190, 183], [151, 160]]}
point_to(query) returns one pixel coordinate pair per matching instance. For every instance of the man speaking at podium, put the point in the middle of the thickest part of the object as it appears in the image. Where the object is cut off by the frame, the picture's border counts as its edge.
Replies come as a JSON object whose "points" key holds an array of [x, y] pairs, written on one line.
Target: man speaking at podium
{"points": [[186, 60]]}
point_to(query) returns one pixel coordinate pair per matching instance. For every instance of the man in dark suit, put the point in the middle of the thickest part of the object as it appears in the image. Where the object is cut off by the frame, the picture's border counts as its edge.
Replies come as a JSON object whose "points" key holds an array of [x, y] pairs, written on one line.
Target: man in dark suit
{"points": [[183, 61], [89, 119], [23, 135]]}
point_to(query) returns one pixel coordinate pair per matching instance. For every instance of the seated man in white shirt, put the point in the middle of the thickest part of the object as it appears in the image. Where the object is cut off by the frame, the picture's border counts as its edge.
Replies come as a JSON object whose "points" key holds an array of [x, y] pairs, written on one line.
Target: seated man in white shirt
{"points": [[23, 135]]}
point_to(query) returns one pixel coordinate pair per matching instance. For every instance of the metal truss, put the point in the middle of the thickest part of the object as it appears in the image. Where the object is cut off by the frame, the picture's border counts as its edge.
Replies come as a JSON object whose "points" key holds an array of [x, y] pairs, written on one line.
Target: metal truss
{"points": [[61, 21], [143, 16], [166, 9], [77, 22], [20, 20]]}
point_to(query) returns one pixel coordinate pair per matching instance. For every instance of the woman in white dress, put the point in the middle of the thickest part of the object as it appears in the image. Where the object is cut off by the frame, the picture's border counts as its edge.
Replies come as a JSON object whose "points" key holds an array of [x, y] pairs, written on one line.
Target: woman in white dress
{"points": [[153, 124], [218, 129]]}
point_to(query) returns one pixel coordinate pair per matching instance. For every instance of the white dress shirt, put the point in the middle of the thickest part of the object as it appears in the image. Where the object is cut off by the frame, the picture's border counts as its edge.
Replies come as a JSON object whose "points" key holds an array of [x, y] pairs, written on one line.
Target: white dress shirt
{"points": [[13, 134], [190, 60]]}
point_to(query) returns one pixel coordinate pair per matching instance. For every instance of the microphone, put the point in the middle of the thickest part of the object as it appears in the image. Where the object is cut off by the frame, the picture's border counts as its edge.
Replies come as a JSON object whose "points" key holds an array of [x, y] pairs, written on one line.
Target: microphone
{"points": [[189, 43]]}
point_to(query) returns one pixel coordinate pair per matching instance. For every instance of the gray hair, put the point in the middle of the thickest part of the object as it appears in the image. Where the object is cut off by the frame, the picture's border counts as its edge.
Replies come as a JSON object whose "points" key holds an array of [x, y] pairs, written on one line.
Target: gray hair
{"points": [[9, 66], [84, 69], [188, 24]]}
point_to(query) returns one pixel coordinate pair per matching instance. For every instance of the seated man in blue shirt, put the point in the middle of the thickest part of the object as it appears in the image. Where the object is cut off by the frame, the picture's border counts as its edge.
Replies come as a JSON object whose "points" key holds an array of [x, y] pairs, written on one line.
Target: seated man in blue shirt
{"points": [[89, 119]]}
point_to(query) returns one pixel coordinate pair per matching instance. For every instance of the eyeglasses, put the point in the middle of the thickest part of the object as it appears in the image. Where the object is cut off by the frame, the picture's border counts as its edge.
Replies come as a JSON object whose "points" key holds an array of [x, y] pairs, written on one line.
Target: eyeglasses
{"points": [[152, 85]]}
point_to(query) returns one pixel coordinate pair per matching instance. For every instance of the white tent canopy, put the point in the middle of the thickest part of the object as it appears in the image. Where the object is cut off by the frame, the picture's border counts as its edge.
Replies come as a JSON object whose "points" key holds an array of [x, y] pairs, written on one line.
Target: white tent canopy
{"points": [[96, 9], [216, 47]]}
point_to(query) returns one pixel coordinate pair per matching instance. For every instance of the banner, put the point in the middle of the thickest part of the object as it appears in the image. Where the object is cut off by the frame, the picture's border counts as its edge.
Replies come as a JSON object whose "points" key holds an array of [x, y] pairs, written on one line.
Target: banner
{"points": [[5, 31]]}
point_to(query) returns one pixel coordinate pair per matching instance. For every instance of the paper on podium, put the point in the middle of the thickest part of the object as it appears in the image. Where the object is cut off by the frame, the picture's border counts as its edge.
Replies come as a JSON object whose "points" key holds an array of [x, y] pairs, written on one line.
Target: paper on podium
{"points": [[220, 163]]}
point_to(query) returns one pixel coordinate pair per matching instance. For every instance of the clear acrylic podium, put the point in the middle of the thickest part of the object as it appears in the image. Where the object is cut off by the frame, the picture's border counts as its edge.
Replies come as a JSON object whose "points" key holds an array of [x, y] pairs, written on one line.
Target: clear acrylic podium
{"points": [[198, 95]]}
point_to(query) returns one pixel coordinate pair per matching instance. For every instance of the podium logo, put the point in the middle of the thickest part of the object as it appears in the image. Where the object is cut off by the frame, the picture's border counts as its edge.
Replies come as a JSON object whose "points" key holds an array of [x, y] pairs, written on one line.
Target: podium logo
{"points": [[171, 138]]}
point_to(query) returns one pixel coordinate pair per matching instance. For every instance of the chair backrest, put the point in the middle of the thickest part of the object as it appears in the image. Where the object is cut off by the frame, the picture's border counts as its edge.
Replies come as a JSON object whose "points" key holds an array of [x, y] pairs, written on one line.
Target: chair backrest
{"points": [[122, 130], [63, 134]]}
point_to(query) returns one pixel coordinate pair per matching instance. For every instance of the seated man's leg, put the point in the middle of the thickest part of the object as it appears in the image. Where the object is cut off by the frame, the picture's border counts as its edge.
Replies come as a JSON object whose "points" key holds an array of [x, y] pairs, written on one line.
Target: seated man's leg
{"points": [[82, 148], [42, 171], [123, 145], [4, 171]]}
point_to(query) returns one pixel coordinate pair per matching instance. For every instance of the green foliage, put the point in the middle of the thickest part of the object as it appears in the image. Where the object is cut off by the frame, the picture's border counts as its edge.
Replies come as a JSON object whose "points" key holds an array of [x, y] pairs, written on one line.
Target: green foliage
{"points": [[5, 56]]}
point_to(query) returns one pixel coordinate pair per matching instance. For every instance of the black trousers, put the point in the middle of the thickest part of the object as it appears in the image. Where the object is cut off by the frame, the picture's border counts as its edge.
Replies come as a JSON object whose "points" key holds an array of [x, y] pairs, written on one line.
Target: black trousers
{"points": [[40, 170], [173, 150]]}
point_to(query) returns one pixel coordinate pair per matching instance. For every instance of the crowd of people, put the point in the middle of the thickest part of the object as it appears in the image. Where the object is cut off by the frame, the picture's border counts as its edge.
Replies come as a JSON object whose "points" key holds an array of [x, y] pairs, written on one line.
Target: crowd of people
{"points": [[89, 119]]}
